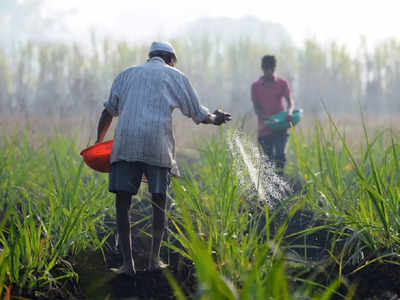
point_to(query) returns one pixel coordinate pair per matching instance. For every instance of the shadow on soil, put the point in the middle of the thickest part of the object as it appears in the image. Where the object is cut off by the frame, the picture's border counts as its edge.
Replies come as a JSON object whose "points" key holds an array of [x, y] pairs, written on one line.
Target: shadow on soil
{"points": [[97, 282]]}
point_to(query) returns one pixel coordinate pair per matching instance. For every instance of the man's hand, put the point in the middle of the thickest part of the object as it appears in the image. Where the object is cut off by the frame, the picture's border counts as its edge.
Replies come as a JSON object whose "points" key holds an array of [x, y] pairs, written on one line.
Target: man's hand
{"points": [[217, 118], [289, 116], [221, 117], [290, 108]]}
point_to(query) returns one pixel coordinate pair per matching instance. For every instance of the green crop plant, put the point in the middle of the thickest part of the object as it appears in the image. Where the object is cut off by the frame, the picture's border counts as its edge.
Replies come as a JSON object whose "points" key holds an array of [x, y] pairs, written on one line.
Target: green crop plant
{"points": [[228, 237], [53, 209], [356, 190]]}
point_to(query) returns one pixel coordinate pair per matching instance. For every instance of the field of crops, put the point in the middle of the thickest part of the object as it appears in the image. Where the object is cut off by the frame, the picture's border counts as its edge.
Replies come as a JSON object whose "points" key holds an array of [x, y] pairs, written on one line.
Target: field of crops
{"points": [[334, 235]]}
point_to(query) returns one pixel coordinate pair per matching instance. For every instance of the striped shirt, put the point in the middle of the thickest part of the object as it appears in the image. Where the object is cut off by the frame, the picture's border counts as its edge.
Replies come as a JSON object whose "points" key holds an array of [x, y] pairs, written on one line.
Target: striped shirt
{"points": [[144, 97]]}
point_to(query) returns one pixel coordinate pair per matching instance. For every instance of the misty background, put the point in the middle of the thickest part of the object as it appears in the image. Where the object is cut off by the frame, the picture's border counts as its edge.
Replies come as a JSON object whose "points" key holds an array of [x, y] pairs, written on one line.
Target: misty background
{"points": [[50, 68]]}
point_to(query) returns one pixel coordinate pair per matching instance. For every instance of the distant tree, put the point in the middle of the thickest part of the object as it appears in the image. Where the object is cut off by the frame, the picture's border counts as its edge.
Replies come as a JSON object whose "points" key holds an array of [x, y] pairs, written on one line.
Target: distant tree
{"points": [[344, 80], [328, 74], [374, 78], [4, 82], [312, 76], [392, 91]]}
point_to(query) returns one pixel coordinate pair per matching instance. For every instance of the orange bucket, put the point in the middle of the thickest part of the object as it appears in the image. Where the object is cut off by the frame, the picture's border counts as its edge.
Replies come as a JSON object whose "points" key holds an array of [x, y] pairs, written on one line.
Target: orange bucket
{"points": [[97, 156]]}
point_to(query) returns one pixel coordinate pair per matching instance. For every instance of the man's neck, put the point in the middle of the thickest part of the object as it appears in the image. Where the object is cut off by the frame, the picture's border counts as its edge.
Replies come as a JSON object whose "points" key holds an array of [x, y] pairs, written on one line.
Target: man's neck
{"points": [[269, 78]]}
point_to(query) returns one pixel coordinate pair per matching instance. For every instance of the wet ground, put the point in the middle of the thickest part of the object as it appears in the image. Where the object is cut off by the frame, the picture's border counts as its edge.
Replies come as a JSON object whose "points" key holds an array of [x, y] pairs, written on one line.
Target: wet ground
{"points": [[98, 282], [376, 281]]}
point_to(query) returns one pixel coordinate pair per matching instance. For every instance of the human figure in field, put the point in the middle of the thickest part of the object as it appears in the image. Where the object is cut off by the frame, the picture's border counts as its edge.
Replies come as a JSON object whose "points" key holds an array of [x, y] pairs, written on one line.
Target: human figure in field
{"points": [[268, 94], [144, 97]]}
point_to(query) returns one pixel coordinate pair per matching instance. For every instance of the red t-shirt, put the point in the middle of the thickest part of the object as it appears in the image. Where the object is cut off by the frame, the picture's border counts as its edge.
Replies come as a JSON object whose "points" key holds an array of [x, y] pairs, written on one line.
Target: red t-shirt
{"points": [[269, 97]]}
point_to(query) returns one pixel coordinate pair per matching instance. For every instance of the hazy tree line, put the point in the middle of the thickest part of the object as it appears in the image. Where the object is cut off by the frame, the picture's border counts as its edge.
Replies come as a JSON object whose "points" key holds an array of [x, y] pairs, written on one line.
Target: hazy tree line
{"points": [[65, 78], [221, 56]]}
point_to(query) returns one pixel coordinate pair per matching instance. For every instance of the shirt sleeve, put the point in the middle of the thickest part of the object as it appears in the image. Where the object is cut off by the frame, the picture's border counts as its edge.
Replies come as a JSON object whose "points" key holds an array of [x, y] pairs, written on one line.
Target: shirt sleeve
{"points": [[112, 104], [254, 100], [253, 93], [189, 104]]}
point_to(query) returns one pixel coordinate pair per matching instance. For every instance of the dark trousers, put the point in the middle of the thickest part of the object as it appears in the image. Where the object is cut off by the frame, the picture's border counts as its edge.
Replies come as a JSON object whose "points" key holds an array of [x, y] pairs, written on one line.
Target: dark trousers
{"points": [[274, 148]]}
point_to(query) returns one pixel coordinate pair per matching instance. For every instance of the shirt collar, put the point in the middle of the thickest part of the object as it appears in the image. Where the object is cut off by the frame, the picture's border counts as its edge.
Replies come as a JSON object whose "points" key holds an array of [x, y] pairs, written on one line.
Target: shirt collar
{"points": [[156, 59], [263, 81]]}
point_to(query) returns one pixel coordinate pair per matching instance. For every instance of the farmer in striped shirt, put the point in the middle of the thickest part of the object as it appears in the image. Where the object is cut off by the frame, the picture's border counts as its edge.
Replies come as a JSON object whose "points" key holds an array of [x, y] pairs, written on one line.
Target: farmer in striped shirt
{"points": [[143, 98]]}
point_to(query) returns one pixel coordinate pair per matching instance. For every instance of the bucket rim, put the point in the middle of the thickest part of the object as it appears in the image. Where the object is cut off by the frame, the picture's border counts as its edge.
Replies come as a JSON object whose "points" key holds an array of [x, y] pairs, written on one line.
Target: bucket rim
{"points": [[84, 151]]}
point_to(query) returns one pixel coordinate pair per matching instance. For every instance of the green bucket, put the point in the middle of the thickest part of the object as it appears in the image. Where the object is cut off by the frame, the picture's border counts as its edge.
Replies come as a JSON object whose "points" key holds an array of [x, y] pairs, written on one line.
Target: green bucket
{"points": [[278, 121]]}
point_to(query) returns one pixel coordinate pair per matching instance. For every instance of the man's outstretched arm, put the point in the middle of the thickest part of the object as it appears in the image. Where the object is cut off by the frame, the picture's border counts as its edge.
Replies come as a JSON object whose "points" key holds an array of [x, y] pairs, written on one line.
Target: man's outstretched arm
{"points": [[104, 123], [290, 107]]}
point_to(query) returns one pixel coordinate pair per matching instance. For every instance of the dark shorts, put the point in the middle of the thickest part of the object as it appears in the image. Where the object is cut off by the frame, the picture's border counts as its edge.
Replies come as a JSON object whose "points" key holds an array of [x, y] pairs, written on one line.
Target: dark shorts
{"points": [[127, 177]]}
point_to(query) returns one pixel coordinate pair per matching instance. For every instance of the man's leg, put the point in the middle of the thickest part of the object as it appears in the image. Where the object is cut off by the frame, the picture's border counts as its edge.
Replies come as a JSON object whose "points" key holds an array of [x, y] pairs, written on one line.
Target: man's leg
{"points": [[280, 157], [159, 202], [122, 204], [267, 146]]}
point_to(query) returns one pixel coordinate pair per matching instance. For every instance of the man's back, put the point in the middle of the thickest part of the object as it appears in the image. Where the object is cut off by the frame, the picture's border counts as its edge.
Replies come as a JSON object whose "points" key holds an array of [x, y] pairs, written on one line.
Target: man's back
{"points": [[269, 98], [147, 95], [144, 97]]}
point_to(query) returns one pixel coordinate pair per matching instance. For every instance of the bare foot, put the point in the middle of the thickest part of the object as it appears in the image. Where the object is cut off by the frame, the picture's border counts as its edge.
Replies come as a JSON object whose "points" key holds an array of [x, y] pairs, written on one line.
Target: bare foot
{"points": [[157, 264], [124, 270]]}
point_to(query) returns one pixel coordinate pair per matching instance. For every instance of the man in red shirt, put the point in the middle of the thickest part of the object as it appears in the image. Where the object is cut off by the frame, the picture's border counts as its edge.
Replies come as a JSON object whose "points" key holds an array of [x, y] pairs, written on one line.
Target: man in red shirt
{"points": [[268, 94]]}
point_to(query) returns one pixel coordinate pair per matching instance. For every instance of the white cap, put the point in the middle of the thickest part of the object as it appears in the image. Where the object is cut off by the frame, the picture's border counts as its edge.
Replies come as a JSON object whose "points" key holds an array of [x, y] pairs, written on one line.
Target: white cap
{"points": [[161, 46]]}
